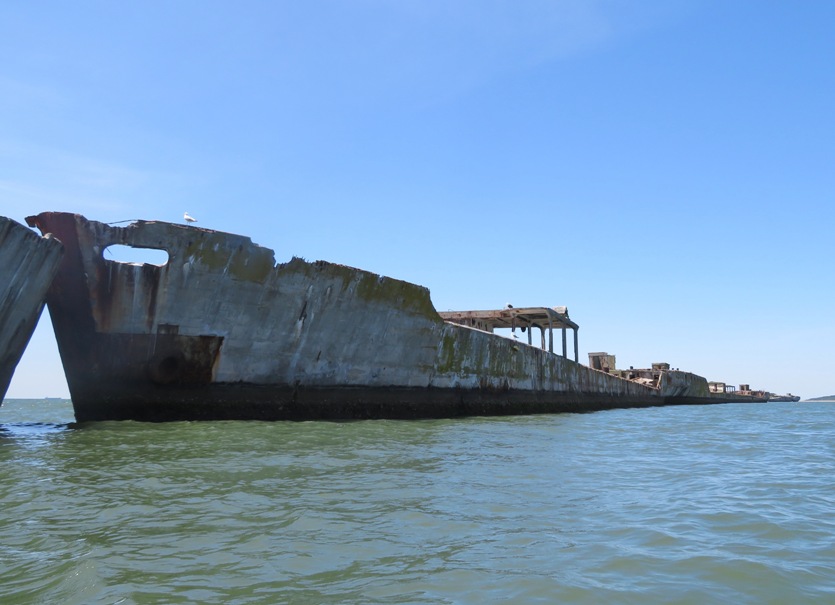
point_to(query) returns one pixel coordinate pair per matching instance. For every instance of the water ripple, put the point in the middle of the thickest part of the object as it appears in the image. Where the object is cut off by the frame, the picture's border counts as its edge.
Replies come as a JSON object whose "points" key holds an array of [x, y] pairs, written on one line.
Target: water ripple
{"points": [[689, 505]]}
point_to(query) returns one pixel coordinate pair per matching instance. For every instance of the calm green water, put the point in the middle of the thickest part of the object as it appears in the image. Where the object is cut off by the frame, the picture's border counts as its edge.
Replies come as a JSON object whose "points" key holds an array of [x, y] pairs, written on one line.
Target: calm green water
{"points": [[703, 504]]}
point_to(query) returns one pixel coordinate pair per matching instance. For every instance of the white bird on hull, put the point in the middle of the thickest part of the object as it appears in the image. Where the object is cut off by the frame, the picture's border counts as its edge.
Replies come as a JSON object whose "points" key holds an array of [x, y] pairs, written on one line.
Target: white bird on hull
{"points": [[188, 218]]}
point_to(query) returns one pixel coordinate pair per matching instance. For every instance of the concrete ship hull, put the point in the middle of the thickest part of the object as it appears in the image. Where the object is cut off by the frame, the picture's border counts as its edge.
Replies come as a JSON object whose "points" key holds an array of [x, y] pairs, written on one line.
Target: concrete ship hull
{"points": [[784, 398], [27, 265], [222, 332]]}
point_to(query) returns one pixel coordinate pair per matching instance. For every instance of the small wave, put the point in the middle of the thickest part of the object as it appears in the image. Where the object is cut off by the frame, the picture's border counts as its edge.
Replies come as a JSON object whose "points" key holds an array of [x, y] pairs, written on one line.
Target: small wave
{"points": [[32, 429]]}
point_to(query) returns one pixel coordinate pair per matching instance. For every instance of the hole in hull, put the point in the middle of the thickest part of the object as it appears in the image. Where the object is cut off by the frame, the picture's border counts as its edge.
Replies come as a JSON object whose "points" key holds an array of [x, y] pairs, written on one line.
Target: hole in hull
{"points": [[119, 253]]}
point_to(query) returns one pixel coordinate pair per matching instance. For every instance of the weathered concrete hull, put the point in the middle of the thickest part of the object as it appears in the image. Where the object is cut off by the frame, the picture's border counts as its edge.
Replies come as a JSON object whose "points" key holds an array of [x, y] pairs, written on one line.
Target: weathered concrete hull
{"points": [[27, 265], [220, 332], [238, 401], [277, 402]]}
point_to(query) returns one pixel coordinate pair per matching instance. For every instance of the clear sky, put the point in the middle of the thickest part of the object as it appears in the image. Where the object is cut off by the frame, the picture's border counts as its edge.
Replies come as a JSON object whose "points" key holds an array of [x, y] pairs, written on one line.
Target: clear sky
{"points": [[663, 167]]}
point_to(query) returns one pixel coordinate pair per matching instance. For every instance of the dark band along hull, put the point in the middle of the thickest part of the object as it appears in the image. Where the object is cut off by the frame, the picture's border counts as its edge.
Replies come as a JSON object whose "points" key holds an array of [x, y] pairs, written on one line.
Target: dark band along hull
{"points": [[222, 332], [28, 263]]}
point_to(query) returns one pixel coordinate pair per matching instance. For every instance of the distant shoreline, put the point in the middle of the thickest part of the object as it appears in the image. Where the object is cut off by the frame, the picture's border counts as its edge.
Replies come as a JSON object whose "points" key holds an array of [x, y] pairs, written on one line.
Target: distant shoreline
{"points": [[37, 399]]}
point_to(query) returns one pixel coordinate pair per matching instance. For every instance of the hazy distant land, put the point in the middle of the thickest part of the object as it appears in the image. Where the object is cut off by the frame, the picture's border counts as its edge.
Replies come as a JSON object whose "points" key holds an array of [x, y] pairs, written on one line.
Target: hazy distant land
{"points": [[824, 398]]}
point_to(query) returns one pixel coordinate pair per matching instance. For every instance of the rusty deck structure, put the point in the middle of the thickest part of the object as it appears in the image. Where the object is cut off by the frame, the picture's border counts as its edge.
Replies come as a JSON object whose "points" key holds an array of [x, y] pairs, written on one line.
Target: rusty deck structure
{"points": [[222, 331], [28, 263], [525, 319]]}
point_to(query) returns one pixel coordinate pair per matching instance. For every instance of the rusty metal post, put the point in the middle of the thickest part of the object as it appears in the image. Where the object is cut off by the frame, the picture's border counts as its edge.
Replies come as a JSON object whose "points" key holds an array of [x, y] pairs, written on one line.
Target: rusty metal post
{"points": [[564, 346]]}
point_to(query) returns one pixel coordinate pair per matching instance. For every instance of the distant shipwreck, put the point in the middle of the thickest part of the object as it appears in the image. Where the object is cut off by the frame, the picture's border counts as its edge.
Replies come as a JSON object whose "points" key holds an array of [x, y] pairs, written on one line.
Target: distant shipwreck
{"points": [[220, 331]]}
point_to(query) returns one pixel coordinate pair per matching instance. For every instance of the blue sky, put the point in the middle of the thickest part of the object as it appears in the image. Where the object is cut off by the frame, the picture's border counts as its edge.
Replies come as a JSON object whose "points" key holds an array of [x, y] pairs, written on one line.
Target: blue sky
{"points": [[663, 168]]}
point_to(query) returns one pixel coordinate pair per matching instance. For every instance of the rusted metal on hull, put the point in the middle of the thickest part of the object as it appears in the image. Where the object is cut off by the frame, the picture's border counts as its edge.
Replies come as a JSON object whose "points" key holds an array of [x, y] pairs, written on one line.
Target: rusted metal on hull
{"points": [[220, 331], [28, 263], [161, 359]]}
